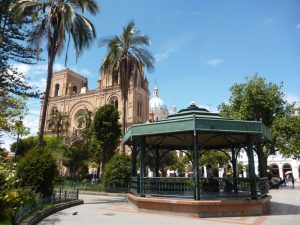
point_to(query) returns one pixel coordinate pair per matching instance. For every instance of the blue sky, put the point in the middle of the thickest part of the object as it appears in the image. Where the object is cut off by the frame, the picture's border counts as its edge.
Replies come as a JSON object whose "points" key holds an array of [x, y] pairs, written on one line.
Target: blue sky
{"points": [[201, 47]]}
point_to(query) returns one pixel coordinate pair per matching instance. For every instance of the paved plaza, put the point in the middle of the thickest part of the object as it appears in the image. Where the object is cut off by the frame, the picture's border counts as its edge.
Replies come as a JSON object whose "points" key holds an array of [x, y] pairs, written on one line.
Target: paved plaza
{"points": [[113, 210]]}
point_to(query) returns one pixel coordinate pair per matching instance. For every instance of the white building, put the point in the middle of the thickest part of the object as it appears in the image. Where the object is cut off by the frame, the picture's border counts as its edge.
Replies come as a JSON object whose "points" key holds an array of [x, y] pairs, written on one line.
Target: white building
{"points": [[278, 164], [157, 108]]}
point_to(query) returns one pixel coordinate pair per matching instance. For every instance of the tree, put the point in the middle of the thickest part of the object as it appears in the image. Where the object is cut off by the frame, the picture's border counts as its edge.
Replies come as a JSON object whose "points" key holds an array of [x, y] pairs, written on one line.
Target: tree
{"points": [[75, 158], [13, 34], [215, 159], [59, 122], [258, 100], [107, 133], [117, 171], [286, 134], [12, 110], [56, 21], [37, 170], [127, 58]]}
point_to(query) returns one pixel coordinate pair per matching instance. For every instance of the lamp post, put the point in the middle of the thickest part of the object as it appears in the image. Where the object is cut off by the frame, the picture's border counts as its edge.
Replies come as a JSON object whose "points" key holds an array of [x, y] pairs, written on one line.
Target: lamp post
{"points": [[19, 123]]}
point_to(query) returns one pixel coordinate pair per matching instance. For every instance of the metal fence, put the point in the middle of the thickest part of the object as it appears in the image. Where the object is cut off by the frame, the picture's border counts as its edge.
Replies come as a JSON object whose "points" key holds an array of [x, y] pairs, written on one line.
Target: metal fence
{"points": [[214, 188], [57, 197], [96, 187]]}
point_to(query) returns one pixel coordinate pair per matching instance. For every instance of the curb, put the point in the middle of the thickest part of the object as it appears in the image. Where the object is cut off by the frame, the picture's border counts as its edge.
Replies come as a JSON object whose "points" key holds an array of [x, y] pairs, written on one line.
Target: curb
{"points": [[39, 216]]}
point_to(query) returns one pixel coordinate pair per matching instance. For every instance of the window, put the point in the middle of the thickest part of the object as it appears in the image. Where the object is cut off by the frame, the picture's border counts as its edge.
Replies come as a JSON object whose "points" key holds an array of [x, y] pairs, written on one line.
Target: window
{"points": [[115, 79], [74, 89], [56, 92], [139, 108], [115, 103]]}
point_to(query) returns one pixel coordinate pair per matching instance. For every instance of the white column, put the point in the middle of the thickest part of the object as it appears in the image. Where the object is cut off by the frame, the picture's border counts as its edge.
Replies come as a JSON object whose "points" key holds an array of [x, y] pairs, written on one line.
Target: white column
{"points": [[280, 170]]}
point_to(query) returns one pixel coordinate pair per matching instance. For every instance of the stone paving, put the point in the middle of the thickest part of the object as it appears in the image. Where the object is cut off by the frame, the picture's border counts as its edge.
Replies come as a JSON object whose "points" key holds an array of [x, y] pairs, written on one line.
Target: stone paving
{"points": [[113, 210]]}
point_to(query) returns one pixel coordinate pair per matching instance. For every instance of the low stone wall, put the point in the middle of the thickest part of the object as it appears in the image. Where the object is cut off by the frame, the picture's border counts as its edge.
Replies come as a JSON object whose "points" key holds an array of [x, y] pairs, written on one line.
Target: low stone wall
{"points": [[202, 208], [39, 216]]}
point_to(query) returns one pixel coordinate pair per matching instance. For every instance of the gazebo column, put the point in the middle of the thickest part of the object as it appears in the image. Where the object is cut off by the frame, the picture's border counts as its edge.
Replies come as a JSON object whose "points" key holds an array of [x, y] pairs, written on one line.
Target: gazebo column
{"points": [[142, 166], [133, 161], [251, 168], [234, 168], [157, 162], [196, 167]]}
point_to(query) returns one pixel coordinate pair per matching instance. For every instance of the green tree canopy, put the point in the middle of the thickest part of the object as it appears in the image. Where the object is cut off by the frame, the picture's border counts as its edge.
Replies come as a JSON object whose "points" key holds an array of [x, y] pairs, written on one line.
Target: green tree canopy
{"points": [[107, 132], [126, 58], [117, 171], [37, 170], [13, 48], [59, 123], [257, 100]]}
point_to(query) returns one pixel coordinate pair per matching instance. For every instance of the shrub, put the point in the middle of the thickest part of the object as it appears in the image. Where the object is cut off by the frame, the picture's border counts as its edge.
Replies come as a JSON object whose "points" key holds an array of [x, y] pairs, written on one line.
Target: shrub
{"points": [[117, 171], [11, 197], [37, 170]]}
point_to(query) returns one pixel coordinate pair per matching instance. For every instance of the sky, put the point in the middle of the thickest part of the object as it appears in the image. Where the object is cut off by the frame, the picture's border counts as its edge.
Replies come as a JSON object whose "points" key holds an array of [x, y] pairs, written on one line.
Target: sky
{"points": [[201, 47]]}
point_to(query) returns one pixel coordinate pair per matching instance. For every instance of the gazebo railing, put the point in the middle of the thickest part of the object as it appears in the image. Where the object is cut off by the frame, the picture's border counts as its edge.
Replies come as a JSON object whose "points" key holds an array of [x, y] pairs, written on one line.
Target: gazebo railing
{"points": [[171, 186], [210, 188]]}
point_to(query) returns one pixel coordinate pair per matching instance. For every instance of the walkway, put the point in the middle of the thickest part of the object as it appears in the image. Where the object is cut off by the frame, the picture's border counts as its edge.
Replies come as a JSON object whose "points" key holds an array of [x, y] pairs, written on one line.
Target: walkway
{"points": [[108, 210]]}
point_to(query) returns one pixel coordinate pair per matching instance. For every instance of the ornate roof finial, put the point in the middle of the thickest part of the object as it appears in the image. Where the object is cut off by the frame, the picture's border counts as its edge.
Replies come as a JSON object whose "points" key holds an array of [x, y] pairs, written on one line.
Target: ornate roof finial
{"points": [[155, 90]]}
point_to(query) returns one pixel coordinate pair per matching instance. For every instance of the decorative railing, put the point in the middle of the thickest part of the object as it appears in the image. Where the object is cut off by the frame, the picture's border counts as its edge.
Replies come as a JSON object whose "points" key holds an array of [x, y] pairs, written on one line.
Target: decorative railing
{"points": [[178, 186], [95, 187], [210, 188], [57, 196]]}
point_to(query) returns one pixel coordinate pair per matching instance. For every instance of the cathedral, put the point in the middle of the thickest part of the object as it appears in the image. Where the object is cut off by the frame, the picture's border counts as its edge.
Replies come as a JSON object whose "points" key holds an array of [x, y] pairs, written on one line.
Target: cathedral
{"points": [[70, 94]]}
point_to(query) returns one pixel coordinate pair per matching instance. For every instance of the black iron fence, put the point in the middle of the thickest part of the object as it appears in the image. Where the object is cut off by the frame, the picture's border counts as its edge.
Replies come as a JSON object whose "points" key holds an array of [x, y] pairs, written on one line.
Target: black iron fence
{"points": [[212, 188], [95, 187], [57, 197]]}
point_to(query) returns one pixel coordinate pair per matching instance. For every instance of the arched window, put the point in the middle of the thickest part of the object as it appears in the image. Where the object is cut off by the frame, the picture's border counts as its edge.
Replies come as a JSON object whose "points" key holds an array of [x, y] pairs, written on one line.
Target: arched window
{"points": [[56, 91], [286, 167], [139, 108], [115, 79], [74, 89], [274, 169], [53, 111], [115, 103]]}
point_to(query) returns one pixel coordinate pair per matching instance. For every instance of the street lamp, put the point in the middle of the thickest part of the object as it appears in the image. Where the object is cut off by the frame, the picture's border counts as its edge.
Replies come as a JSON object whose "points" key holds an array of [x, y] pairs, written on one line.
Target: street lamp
{"points": [[19, 124]]}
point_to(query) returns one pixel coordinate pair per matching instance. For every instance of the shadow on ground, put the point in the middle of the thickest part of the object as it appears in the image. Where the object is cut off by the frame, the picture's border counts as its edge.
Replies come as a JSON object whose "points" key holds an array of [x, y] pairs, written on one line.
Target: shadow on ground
{"points": [[284, 209]]}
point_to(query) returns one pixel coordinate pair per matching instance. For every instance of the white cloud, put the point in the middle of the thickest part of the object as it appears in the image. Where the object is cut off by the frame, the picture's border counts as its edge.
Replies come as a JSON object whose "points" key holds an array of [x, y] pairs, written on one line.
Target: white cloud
{"points": [[298, 26], [162, 56], [166, 15], [81, 71], [195, 13], [33, 70], [291, 98], [173, 46], [214, 62]]}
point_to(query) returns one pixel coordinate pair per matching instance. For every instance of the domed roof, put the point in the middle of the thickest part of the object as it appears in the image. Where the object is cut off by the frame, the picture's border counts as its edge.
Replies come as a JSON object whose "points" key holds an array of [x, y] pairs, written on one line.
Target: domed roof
{"points": [[156, 102]]}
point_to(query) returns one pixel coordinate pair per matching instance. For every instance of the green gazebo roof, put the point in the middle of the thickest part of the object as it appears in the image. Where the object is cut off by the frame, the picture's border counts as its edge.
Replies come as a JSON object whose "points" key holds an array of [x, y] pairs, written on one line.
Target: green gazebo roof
{"points": [[213, 131]]}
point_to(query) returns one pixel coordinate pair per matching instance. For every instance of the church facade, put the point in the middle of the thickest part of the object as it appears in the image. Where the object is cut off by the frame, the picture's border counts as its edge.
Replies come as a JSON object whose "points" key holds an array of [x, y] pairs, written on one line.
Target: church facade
{"points": [[70, 94]]}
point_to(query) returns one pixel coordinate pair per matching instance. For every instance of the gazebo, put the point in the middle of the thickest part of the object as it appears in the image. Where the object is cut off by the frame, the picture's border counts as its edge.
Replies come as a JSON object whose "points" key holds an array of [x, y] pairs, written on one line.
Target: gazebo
{"points": [[196, 130]]}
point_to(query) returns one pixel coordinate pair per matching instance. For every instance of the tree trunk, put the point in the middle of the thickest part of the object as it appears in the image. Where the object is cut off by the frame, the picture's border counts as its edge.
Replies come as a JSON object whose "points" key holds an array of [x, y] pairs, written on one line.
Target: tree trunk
{"points": [[123, 124], [98, 170], [51, 57], [102, 167], [262, 161]]}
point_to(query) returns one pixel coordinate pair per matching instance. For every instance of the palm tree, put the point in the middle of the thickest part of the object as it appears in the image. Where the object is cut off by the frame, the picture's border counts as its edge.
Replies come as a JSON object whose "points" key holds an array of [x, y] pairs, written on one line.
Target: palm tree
{"points": [[127, 58], [57, 21], [59, 122]]}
